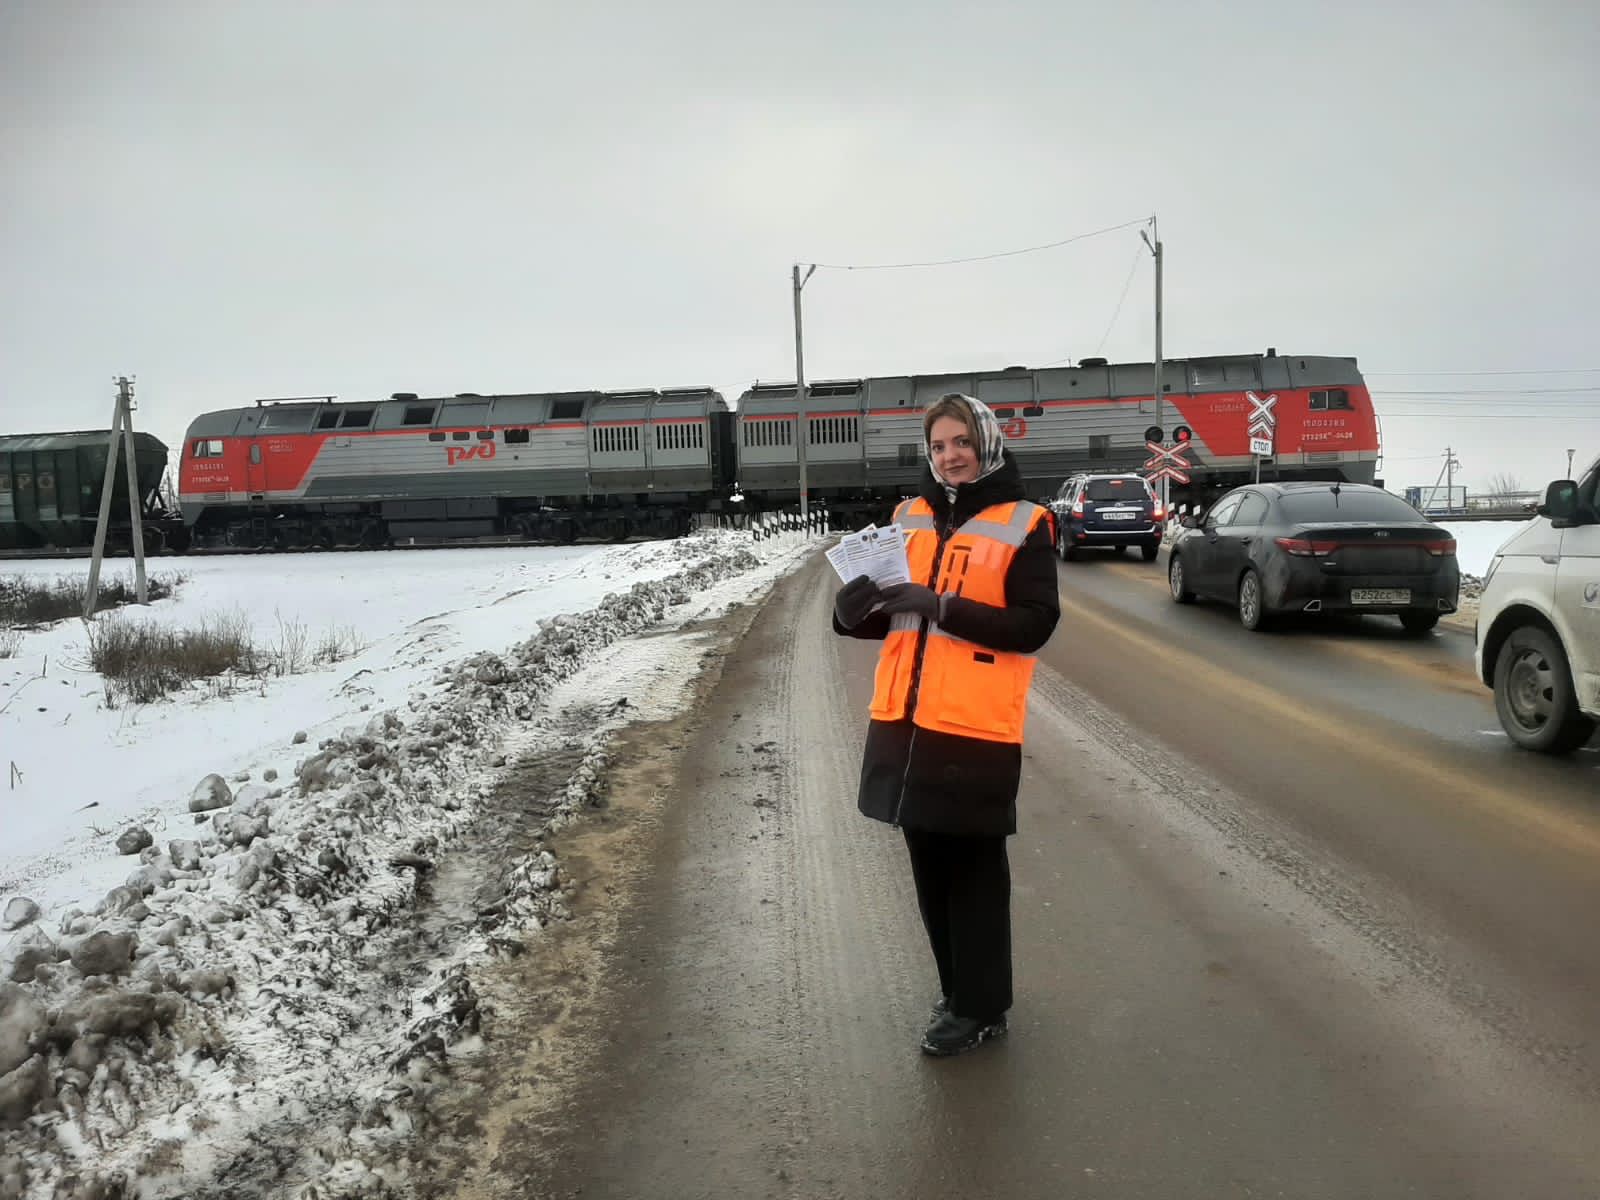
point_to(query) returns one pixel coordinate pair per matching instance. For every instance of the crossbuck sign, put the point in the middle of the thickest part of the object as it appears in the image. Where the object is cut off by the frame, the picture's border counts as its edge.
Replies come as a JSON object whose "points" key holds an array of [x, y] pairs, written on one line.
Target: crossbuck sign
{"points": [[1167, 462], [1262, 422]]}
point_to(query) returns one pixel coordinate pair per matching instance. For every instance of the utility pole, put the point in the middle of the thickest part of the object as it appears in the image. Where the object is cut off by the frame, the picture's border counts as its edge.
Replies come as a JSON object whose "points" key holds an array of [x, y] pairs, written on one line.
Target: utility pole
{"points": [[1450, 465], [1570, 452], [121, 440], [802, 425], [1153, 241]]}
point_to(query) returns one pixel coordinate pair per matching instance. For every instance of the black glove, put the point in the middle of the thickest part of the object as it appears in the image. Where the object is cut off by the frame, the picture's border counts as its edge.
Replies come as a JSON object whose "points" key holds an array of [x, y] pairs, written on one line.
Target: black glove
{"points": [[854, 602], [912, 598]]}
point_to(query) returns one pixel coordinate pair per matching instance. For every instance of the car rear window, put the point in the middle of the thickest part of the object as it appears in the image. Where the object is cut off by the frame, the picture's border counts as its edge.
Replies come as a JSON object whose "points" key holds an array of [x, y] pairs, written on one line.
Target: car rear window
{"points": [[1346, 505], [1115, 489]]}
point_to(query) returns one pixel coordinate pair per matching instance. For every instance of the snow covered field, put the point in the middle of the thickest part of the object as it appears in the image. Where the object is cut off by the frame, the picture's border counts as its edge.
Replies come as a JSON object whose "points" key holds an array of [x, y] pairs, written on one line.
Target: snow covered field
{"points": [[227, 968]]}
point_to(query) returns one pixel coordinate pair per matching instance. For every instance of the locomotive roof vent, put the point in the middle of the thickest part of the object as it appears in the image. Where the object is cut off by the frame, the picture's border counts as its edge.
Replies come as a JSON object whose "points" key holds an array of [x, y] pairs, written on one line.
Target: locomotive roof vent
{"points": [[1092, 362], [467, 396], [1016, 368], [1272, 352], [403, 396]]}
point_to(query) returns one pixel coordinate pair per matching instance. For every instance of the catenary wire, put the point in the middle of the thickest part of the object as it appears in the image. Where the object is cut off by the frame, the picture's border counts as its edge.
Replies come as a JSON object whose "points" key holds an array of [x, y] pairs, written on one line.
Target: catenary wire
{"points": [[951, 262], [1126, 284]]}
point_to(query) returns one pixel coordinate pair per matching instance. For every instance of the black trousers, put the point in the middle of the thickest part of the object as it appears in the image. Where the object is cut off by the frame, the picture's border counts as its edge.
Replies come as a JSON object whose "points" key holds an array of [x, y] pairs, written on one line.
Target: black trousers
{"points": [[964, 892]]}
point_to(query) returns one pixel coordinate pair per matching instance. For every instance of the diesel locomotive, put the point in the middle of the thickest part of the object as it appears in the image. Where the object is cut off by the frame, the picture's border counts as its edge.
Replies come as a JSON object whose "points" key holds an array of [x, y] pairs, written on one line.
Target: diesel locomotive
{"points": [[558, 466]]}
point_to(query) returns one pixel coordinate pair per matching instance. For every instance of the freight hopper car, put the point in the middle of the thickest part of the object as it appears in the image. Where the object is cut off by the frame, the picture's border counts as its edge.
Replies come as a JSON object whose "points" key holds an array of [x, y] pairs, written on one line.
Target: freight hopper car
{"points": [[50, 490], [547, 467], [864, 436]]}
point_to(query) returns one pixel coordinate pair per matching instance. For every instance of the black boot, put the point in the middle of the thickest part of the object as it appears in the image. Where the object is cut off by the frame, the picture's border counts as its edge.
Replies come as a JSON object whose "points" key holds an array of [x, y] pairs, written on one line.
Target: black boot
{"points": [[951, 1034]]}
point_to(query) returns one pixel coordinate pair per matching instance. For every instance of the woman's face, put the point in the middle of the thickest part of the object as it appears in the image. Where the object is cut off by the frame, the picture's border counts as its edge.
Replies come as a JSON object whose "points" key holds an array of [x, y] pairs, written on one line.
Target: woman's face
{"points": [[953, 451]]}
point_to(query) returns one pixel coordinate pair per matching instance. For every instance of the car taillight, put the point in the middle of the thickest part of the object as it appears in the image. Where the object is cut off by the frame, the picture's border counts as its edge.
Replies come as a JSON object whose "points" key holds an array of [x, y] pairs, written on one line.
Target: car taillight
{"points": [[1440, 549], [1077, 509], [1158, 513], [1305, 547]]}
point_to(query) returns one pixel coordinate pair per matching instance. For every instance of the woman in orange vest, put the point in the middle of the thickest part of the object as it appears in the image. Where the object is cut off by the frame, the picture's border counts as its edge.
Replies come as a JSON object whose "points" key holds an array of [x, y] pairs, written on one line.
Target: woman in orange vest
{"points": [[944, 746]]}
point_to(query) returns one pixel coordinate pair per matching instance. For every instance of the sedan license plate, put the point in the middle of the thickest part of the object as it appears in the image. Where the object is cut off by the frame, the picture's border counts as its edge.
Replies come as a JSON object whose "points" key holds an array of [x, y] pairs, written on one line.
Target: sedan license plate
{"points": [[1380, 595], [1119, 516]]}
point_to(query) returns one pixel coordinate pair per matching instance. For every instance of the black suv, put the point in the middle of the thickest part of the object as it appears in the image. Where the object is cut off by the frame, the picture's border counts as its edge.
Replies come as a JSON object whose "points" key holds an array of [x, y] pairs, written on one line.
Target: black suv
{"points": [[1107, 510]]}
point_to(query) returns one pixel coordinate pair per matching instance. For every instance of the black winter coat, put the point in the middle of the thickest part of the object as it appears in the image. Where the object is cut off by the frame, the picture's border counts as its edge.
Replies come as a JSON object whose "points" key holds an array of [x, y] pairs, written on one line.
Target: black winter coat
{"points": [[943, 782]]}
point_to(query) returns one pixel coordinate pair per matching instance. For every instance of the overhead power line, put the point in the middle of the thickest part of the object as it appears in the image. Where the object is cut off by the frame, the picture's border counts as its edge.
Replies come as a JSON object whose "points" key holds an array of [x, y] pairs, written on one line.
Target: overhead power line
{"points": [[1468, 393], [1126, 284], [951, 262], [1570, 415], [1525, 371]]}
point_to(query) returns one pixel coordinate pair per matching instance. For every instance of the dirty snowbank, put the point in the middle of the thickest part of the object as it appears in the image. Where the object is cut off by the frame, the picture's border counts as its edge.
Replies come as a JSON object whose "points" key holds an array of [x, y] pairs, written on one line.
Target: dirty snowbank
{"points": [[252, 1000]]}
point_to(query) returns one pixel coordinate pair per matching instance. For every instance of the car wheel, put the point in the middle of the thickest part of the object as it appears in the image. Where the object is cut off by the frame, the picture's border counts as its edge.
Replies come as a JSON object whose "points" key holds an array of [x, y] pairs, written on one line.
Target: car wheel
{"points": [[1148, 553], [1061, 543], [1418, 622], [1534, 696], [1175, 581], [1252, 607]]}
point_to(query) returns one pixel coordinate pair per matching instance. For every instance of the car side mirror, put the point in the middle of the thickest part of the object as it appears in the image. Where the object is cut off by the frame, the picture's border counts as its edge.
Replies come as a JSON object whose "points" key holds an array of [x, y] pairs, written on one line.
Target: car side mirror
{"points": [[1560, 501], [1189, 523]]}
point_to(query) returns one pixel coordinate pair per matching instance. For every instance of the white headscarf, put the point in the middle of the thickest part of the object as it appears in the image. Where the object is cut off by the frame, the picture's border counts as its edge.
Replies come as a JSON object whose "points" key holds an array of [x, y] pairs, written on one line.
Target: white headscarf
{"points": [[990, 438]]}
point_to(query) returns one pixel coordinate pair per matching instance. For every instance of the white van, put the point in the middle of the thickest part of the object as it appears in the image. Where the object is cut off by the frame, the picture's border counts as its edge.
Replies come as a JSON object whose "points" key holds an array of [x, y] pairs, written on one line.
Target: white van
{"points": [[1539, 622]]}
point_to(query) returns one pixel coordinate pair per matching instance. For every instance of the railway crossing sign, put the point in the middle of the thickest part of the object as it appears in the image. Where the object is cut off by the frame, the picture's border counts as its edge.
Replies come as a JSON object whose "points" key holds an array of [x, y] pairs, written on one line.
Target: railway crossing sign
{"points": [[1262, 422], [1167, 462]]}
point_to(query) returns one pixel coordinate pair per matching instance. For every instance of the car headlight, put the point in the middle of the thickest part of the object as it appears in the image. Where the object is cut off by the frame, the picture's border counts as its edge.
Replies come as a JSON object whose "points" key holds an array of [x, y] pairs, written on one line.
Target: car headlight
{"points": [[1494, 565]]}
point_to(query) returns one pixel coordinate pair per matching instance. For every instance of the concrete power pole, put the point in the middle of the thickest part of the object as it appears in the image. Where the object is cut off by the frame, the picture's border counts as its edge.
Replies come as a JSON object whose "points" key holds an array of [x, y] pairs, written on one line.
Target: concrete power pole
{"points": [[802, 426], [121, 439], [1153, 240]]}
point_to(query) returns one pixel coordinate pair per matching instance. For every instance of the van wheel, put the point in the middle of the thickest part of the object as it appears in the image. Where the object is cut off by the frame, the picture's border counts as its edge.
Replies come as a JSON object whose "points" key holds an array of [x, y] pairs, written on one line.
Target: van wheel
{"points": [[1175, 581], [1534, 696], [1418, 622], [1148, 553]]}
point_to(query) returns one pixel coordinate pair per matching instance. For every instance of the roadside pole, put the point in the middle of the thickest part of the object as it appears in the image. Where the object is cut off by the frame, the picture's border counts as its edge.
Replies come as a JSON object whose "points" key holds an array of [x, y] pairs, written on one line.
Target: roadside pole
{"points": [[121, 434], [125, 401], [1153, 240], [802, 426]]}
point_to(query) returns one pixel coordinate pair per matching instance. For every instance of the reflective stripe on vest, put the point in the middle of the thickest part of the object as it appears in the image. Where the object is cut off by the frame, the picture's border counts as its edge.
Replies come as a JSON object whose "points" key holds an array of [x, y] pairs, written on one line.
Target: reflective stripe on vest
{"points": [[963, 688]]}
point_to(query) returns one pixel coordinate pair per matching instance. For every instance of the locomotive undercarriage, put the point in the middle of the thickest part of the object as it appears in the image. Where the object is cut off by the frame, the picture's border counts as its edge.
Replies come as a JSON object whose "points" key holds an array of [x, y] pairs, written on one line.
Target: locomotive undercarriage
{"points": [[422, 522]]}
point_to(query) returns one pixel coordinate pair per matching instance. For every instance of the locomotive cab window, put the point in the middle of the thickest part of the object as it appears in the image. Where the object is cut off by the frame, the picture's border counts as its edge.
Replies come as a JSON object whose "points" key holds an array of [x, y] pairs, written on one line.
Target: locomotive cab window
{"points": [[207, 448], [357, 418], [1333, 398], [418, 415], [328, 419], [566, 410], [516, 437]]}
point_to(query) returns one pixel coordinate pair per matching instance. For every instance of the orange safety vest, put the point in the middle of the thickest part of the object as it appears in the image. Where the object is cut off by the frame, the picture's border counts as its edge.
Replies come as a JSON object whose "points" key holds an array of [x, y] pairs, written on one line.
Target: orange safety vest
{"points": [[960, 686]]}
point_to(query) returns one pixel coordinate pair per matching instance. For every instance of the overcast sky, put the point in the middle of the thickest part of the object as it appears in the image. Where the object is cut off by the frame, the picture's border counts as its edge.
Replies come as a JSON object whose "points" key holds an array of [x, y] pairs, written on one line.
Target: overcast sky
{"points": [[233, 200]]}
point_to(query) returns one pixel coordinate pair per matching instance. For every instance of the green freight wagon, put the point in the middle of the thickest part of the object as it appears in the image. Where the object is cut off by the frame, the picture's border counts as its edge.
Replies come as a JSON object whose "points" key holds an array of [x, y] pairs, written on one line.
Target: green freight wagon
{"points": [[50, 492]]}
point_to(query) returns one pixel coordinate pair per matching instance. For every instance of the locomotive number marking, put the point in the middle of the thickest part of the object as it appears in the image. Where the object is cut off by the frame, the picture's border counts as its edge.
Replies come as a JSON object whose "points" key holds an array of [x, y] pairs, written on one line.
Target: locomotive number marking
{"points": [[460, 454]]}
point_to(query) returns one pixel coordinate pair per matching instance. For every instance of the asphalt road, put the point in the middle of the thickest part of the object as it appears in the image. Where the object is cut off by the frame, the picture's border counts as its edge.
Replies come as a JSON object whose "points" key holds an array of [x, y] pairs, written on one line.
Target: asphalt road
{"points": [[1291, 919]]}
